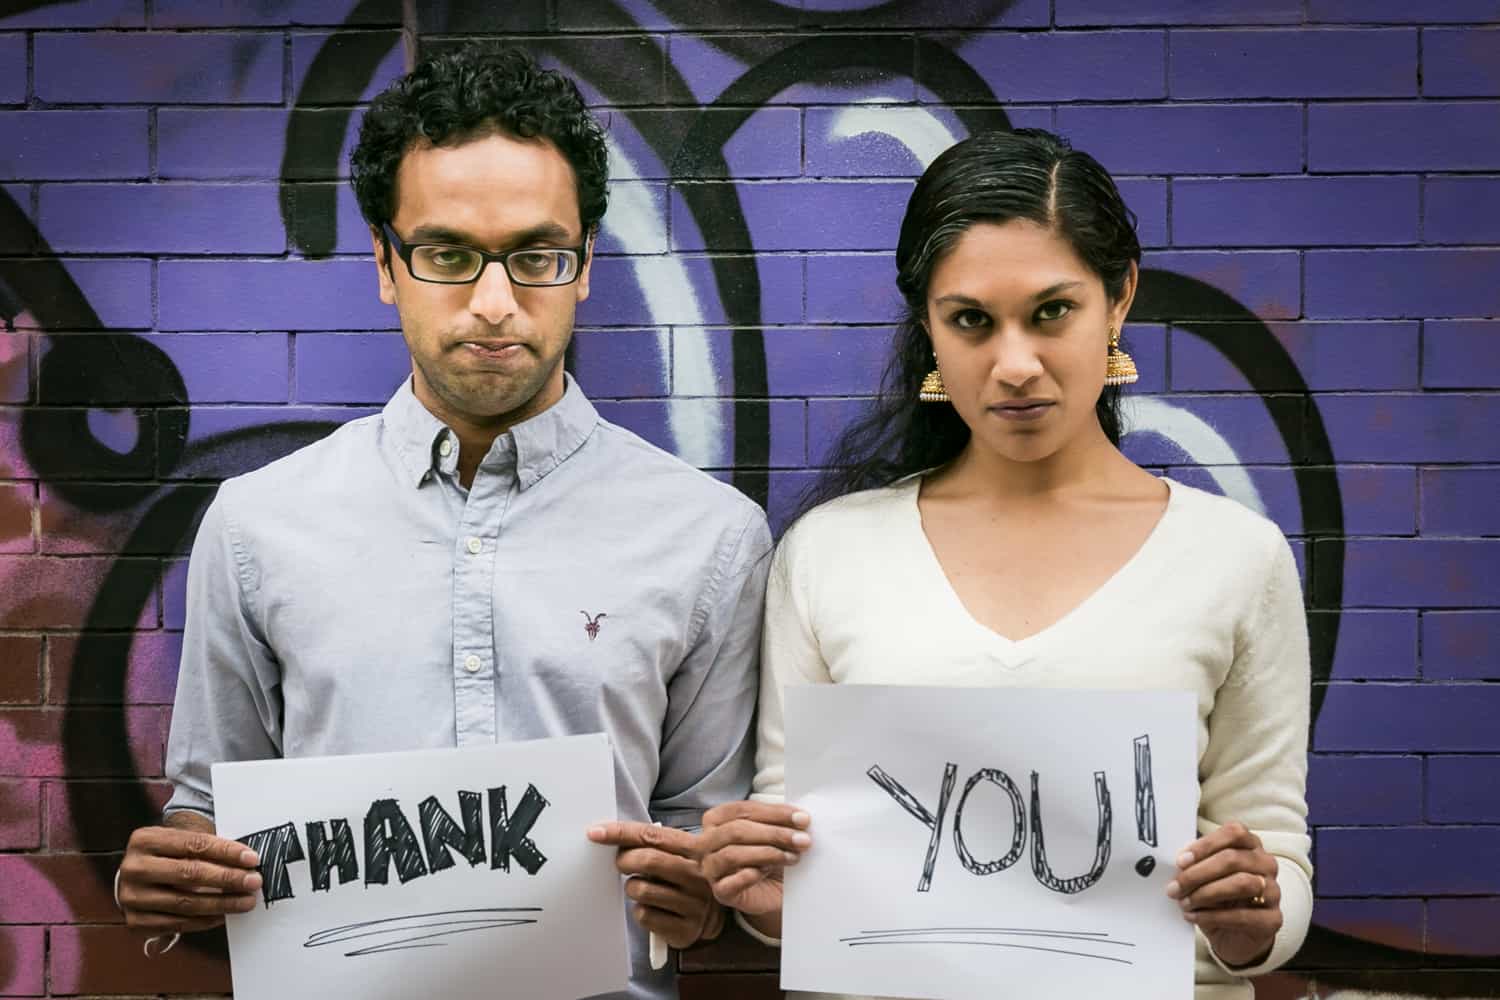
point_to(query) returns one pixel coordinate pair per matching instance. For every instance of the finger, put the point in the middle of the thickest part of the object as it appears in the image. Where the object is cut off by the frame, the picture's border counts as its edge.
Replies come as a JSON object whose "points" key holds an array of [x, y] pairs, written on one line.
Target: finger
{"points": [[660, 866], [186, 904], [679, 932], [166, 923], [1231, 834], [665, 897], [731, 859], [186, 873], [745, 831], [163, 841], [1237, 889], [729, 888], [1217, 866], [1257, 922], [771, 813], [632, 835]]}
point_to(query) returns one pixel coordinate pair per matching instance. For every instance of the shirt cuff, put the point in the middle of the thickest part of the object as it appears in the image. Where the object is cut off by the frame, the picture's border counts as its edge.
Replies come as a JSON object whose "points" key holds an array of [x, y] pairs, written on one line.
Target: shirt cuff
{"points": [[749, 928], [1296, 913]]}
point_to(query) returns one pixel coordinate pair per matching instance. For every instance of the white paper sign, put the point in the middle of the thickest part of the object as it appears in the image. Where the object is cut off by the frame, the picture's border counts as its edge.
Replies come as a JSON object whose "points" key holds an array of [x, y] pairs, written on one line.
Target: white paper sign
{"points": [[998, 842], [463, 874]]}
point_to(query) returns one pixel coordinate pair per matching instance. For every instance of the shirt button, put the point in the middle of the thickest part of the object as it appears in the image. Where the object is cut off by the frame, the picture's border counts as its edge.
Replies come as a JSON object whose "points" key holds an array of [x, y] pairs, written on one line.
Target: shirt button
{"points": [[445, 448], [475, 546], [471, 663]]}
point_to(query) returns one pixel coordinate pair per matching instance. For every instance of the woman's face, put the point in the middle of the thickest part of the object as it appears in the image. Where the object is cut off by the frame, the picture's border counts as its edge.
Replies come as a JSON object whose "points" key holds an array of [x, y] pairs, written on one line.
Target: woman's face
{"points": [[1020, 326]]}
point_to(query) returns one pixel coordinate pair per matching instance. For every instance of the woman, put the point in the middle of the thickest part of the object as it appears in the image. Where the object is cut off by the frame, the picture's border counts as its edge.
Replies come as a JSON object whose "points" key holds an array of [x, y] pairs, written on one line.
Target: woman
{"points": [[983, 528]]}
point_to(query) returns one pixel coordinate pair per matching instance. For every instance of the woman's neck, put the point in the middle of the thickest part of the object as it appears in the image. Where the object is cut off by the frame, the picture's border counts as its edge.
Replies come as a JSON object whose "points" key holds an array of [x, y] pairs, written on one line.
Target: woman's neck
{"points": [[1085, 463]]}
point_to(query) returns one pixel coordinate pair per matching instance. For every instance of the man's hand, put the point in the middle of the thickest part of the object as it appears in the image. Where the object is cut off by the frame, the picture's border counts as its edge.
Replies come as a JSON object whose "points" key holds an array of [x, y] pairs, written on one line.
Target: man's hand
{"points": [[672, 899], [181, 877]]}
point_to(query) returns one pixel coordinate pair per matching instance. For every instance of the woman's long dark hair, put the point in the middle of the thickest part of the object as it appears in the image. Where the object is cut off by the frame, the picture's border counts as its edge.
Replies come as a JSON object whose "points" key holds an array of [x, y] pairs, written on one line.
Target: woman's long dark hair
{"points": [[991, 177]]}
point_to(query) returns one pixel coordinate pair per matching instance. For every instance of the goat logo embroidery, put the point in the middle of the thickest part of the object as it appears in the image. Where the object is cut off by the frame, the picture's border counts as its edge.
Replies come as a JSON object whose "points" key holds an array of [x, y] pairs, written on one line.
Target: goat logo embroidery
{"points": [[592, 628]]}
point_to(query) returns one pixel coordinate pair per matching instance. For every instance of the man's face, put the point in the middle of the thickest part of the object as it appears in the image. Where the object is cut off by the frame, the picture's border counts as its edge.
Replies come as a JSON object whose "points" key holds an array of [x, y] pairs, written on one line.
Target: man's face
{"points": [[488, 352]]}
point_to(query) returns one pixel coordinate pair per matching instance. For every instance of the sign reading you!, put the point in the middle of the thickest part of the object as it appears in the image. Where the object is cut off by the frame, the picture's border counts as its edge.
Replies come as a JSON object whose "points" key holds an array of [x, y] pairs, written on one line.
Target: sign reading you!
{"points": [[461, 873], [980, 842]]}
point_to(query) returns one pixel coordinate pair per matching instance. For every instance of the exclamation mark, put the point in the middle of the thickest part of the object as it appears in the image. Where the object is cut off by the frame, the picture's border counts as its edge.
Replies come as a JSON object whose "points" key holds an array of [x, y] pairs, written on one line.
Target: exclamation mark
{"points": [[1145, 804]]}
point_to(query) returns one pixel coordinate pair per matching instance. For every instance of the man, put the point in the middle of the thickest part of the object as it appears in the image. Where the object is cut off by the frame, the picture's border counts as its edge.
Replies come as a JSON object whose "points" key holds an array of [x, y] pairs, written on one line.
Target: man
{"points": [[486, 559]]}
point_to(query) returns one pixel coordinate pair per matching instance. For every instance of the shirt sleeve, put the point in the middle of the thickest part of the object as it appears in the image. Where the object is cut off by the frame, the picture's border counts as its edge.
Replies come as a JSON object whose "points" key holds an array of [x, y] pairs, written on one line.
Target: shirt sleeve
{"points": [[706, 753], [1254, 769], [228, 703]]}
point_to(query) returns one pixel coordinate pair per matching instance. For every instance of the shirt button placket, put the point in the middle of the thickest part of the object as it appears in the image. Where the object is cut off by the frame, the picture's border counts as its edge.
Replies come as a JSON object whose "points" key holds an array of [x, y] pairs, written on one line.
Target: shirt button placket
{"points": [[473, 612]]}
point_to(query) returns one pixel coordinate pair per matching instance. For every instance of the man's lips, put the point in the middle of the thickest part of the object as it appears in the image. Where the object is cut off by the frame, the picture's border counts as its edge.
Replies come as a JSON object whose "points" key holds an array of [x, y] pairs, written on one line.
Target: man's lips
{"points": [[492, 348]]}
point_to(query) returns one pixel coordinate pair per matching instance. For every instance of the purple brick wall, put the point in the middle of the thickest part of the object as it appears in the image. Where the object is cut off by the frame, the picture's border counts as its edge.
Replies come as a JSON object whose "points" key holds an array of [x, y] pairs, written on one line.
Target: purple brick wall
{"points": [[186, 293]]}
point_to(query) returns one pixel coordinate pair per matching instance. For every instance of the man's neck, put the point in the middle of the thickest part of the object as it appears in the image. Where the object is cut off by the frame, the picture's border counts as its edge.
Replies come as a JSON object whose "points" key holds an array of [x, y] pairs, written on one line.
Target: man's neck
{"points": [[477, 434]]}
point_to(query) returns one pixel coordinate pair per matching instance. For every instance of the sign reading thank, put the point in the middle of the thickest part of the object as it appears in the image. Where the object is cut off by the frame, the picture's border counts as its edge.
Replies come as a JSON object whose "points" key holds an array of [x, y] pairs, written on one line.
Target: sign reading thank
{"points": [[462, 872], [978, 842]]}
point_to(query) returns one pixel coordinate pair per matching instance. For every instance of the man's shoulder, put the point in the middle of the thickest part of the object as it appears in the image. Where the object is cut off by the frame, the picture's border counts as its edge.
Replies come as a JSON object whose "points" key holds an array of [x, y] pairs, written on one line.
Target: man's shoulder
{"points": [[690, 490], [304, 474]]}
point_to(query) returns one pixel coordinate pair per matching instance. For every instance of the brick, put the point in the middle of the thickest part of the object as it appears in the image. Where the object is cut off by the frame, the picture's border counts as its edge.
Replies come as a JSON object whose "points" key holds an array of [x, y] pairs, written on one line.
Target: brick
{"points": [[225, 433], [162, 218], [1364, 790], [784, 497], [1403, 135], [650, 141], [1399, 12], [1461, 354], [677, 289], [1461, 645], [350, 367], [74, 526], [1188, 138], [121, 444], [150, 665], [43, 145], [1460, 502], [1294, 63], [1247, 424], [627, 68], [237, 13], [776, 216], [1377, 500], [20, 815], [1461, 62], [812, 361], [1440, 573], [58, 591], [1461, 210], [827, 420], [17, 239], [1395, 284], [1326, 356], [1266, 282], [94, 369], [352, 66], [190, 146], [13, 69], [1462, 789], [1372, 645], [624, 364], [17, 503], [15, 368], [80, 743], [710, 64], [643, 15], [111, 294], [174, 593], [1103, 65], [113, 810], [1414, 429], [1295, 211], [1427, 861], [20, 669], [326, 216], [637, 220], [1462, 926], [654, 420], [838, 14], [1073, 13], [1396, 923], [81, 14], [102, 67], [229, 367], [109, 960], [56, 888], [271, 295], [25, 974], [885, 140], [1147, 344]]}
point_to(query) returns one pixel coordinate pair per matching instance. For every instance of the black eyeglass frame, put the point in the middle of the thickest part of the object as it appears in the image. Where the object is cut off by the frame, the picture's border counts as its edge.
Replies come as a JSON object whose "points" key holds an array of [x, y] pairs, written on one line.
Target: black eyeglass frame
{"points": [[405, 250]]}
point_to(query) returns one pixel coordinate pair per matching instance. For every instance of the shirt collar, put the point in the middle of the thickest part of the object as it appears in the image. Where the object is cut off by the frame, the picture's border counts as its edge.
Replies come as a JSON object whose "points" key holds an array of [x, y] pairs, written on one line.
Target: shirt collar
{"points": [[535, 447]]}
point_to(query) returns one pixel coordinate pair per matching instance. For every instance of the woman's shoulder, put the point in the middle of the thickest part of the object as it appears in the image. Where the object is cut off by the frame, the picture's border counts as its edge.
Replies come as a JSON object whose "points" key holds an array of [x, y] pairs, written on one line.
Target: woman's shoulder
{"points": [[855, 513], [1226, 524]]}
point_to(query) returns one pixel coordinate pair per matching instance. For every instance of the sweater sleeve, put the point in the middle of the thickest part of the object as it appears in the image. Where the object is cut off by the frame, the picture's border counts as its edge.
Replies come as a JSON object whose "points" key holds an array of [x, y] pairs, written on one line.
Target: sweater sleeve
{"points": [[1254, 769]]}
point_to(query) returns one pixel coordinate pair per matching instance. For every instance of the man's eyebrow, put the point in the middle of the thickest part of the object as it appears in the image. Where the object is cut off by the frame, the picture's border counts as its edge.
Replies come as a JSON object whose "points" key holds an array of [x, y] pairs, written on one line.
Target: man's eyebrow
{"points": [[546, 232]]}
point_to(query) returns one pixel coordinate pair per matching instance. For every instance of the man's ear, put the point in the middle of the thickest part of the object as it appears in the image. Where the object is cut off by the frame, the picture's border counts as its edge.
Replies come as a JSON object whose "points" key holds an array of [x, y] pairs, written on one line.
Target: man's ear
{"points": [[383, 268], [582, 289]]}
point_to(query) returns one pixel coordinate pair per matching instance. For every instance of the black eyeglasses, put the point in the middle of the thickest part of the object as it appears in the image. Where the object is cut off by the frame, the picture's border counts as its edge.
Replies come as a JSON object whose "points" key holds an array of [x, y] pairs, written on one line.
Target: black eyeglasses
{"points": [[448, 264]]}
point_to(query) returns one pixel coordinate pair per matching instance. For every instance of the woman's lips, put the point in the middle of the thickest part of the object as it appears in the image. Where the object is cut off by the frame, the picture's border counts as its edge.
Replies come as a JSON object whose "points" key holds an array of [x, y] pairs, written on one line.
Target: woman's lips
{"points": [[1022, 412]]}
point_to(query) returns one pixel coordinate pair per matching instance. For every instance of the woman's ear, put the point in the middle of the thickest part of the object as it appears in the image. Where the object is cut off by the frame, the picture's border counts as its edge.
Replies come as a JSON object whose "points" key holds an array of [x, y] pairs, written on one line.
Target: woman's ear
{"points": [[1120, 308]]}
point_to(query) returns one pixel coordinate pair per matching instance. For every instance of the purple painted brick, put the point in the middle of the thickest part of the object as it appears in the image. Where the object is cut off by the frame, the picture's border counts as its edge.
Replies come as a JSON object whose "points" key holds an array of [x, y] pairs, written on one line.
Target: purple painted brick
{"points": [[343, 52], [80, 14], [1419, 572], [237, 13], [651, 419], [1364, 791], [1327, 356], [1461, 645], [1377, 500], [820, 361], [871, 140], [1295, 211], [105, 67], [162, 218], [1462, 926], [1147, 198], [1188, 138], [617, 290], [190, 142], [253, 451], [709, 68], [1461, 62], [271, 295], [1461, 354], [826, 420], [1372, 645], [43, 145], [766, 144], [1400, 11], [636, 222], [25, 974], [229, 367], [1016, 14], [1394, 922], [818, 215], [1427, 861], [784, 498], [1407, 428], [1102, 65], [1267, 282], [174, 593], [12, 240], [1294, 63], [1460, 501], [1408, 718], [13, 69], [1147, 344], [1403, 135], [624, 364], [1461, 210], [642, 15], [350, 367], [119, 291], [1463, 789], [1245, 423], [1395, 284], [1071, 13], [352, 234], [15, 368], [848, 288]]}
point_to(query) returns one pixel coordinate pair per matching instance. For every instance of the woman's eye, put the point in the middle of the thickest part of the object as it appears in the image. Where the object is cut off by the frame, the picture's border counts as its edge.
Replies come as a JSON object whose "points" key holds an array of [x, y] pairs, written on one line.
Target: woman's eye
{"points": [[1053, 310], [969, 319]]}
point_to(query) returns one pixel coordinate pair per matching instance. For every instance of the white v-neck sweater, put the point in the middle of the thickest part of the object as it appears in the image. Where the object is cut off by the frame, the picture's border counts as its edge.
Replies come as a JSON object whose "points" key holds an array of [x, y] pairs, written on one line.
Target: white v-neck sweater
{"points": [[1211, 603]]}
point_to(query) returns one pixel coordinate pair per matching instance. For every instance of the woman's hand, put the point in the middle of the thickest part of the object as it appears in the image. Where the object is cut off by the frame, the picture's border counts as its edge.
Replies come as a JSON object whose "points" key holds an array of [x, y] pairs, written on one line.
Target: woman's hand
{"points": [[745, 848], [1226, 885]]}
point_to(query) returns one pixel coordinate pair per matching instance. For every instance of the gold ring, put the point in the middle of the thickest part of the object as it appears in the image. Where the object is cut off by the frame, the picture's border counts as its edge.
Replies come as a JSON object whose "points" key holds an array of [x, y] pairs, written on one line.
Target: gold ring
{"points": [[1259, 899]]}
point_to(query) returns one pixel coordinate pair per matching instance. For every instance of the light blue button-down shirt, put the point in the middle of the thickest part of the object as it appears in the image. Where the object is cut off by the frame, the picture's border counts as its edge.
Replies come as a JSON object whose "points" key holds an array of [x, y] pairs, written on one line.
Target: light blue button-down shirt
{"points": [[355, 597]]}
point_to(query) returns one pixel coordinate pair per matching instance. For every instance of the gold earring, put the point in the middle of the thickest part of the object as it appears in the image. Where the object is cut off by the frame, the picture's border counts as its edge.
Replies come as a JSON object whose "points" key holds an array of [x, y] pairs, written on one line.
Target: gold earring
{"points": [[1119, 367], [933, 390]]}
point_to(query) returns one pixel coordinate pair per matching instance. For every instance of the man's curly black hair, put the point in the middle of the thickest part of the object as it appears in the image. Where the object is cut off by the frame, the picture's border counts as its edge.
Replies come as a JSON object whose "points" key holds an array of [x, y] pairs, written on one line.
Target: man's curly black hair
{"points": [[474, 91]]}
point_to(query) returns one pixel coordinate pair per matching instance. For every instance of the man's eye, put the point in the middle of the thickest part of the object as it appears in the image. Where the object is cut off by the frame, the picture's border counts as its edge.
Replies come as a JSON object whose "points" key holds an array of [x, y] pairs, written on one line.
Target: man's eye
{"points": [[969, 319], [1056, 309], [450, 260], [538, 263]]}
